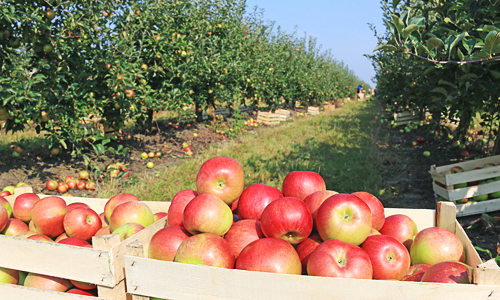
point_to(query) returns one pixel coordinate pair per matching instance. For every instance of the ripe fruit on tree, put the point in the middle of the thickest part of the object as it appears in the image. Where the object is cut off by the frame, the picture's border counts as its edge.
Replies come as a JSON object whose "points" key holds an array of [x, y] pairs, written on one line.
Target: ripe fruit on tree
{"points": [[50, 14], [129, 93]]}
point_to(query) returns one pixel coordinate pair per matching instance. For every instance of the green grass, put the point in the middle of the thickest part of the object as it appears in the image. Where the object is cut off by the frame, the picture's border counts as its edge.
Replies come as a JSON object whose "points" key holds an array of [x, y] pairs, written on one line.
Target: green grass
{"points": [[338, 145]]}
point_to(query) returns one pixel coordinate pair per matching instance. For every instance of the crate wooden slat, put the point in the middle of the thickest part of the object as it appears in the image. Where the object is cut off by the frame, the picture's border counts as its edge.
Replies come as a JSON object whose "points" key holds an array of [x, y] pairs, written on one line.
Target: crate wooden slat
{"points": [[102, 265], [406, 117], [267, 118], [448, 192], [329, 107], [313, 110], [11, 291], [284, 114], [246, 109], [153, 278], [222, 111]]}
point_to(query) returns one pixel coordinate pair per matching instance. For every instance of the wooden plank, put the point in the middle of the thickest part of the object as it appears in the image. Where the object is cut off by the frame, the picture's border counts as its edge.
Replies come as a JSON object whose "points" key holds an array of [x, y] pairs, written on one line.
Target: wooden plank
{"points": [[268, 118], [246, 109], [17, 292], [313, 110], [487, 273], [472, 257], [470, 164], [446, 213]]}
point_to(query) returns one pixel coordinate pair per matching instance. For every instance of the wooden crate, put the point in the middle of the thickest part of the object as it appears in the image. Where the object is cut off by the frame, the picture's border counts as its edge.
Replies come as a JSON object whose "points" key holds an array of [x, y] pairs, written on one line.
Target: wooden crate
{"points": [[284, 114], [246, 109], [102, 265], [313, 110], [449, 192], [329, 107], [154, 278], [218, 111], [267, 118], [406, 117], [94, 126]]}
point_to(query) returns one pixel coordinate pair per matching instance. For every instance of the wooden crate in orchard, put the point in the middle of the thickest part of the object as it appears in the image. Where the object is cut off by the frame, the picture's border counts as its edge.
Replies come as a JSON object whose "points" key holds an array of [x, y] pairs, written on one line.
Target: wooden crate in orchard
{"points": [[246, 109], [406, 117], [268, 118], [329, 107], [170, 280], [474, 190], [102, 265], [313, 110], [284, 114]]}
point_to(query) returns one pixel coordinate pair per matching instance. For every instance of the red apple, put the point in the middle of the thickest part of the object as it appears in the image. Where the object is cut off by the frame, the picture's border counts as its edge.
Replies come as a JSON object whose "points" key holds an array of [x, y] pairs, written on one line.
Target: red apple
{"points": [[5, 194], [90, 186], [25, 234], [476, 182], [48, 215], [4, 218], [176, 208], [243, 233], [159, 215], [82, 223], [344, 217], [255, 198], [68, 178], [390, 259], [287, 218], [51, 185], [314, 201], [166, 241], [9, 276], [448, 272], [115, 201], [434, 245], [127, 230], [40, 237], [81, 185], [14, 227], [62, 187], [75, 242], [376, 208], [415, 272], [6, 205], [71, 184], [23, 205], [74, 205], [103, 231], [83, 285], [205, 249], [301, 184], [402, 227], [46, 282], [131, 212], [207, 213], [306, 247], [334, 258], [82, 292], [222, 177], [60, 237], [270, 255]]}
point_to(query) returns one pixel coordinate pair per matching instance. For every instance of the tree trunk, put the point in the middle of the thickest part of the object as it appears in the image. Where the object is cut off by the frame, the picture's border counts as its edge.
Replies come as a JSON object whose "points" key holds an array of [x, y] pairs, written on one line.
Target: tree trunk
{"points": [[496, 147], [199, 113], [149, 121]]}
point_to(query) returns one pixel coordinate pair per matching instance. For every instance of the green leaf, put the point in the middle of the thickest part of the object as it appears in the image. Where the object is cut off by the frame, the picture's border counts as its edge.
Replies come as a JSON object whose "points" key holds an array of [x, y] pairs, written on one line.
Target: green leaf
{"points": [[386, 47], [408, 30], [440, 90], [460, 55], [63, 143], [398, 23], [395, 3], [495, 74], [455, 41], [491, 42], [479, 55], [445, 82], [469, 76], [417, 20], [389, 26], [433, 43], [101, 149]]}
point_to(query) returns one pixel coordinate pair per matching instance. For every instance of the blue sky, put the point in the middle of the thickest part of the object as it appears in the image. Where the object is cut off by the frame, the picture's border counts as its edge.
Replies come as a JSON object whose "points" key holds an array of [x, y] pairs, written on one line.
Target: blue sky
{"points": [[339, 25]]}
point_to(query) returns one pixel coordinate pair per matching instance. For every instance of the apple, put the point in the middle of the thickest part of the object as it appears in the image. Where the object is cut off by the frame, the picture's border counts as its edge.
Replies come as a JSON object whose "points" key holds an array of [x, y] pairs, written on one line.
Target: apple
{"points": [[270, 255], [74, 205], [68, 178], [6, 205], [344, 217], [127, 230], [306, 247], [374, 232], [448, 272], [25, 234], [301, 184], [207, 213], [166, 241], [90, 186], [4, 218], [9, 276], [23, 205], [314, 201], [83, 175], [62, 236], [390, 258], [40, 237], [335, 258], [131, 212], [51, 185], [434, 245], [46, 282], [116, 200], [222, 177], [150, 165], [77, 291], [420, 139], [402, 227], [255, 198], [103, 231], [144, 155], [287, 218], [151, 154], [81, 185], [75, 242], [243, 233], [14, 227], [62, 187], [159, 215], [5, 194], [10, 189], [205, 249], [81, 223], [129, 93], [71, 184], [415, 272], [48, 215], [177, 205], [426, 153], [376, 208], [83, 285]]}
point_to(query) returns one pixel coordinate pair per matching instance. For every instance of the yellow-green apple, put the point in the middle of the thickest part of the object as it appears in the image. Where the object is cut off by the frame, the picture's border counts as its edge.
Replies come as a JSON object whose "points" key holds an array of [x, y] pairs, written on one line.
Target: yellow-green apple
{"points": [[115, 201], [74, 205], [6, 205], [4, 218], [46, 282], [83, 285], [51, 185], [306, 247], [255, 198], [376, 208], [390, 259], [207, 213], [448, 272], [374, 232], [455, 170], [159, 215], [301, 184], [131, 212], [75, 242], [10, 276], [71, 184], [415, 272], [205, 249], [14, 227], [222, 177], [287, 218], [176, 208], [9, 188], [23, 205], [48, 215], [60, 237], [270, 255], [344, 217], [40, 237], [434, 245], [314, 201], [402, 227], [82, 223], [243, 233], [90, 186], [166, 241], [92, 293], [83, 175], [103, 231], [25, 234], [334, 258], [127, 230]]}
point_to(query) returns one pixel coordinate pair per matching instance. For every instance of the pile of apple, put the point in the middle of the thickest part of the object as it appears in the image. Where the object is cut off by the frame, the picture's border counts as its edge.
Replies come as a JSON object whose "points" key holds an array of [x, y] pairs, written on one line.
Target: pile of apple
{"points": [[301, 229], [83, 182], [49, 219], [251, 122], [118, 170], [187, 149], [151, 154], [9, 190]]}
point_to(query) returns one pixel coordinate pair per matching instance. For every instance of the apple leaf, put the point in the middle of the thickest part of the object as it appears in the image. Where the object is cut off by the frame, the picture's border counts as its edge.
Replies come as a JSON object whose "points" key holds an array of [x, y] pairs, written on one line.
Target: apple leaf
{"points": [[491, 42], [408, 30], [398, 23], [385, 47], [440, 90], [433, 43]]}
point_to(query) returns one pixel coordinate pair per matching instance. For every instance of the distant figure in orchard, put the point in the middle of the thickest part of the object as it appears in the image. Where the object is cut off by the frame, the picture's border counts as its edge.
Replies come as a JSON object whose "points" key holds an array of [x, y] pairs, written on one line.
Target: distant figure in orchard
{"points": [[358, 91]]}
